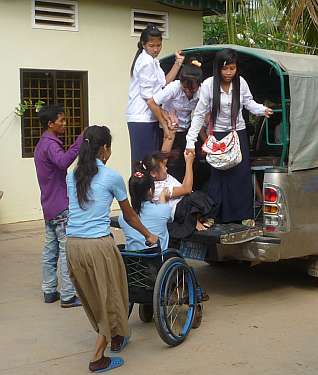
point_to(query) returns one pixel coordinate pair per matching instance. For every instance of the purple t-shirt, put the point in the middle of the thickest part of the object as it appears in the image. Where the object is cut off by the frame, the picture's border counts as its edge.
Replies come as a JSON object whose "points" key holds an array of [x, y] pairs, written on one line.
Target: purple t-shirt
{"points": [[51, 163]]}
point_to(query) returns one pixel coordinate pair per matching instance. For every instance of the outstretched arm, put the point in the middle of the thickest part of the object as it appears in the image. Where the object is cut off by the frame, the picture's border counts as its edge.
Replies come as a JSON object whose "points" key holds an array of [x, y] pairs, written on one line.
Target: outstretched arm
{"points": [[187, 184], [202, 108], [63, 159]]}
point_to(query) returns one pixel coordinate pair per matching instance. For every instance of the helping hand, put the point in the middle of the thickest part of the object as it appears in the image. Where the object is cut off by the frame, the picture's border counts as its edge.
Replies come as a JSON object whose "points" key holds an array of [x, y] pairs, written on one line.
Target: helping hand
{"points": [[179, 57], [164, 195], [189, 154], [268, 112]]}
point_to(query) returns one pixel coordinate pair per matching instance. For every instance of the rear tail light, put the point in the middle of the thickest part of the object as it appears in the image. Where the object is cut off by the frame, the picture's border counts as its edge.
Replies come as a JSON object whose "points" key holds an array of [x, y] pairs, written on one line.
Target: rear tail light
{"points": [[270, 194], [276, 218], [270, 209]]}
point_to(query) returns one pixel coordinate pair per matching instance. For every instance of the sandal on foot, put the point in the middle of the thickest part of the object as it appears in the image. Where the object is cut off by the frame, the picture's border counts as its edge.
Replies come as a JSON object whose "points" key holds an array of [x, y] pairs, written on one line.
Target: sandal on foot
{"points": [[103, 365], [121, 347], [205, 296], [208, 223]]}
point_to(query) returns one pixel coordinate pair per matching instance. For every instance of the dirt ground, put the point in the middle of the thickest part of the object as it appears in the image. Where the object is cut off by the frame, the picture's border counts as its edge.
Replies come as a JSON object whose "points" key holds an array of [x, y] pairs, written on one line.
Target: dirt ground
{"points": [[260, 320]]}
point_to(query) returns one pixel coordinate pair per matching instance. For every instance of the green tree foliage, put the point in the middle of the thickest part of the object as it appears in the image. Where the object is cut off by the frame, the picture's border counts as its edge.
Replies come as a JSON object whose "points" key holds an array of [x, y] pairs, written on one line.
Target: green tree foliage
{"points": [[264, 24]]}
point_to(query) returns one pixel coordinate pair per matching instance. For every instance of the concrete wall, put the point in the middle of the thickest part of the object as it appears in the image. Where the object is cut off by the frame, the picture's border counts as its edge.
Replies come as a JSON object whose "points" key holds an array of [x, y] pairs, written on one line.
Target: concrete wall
{"points": [[103, 47]]}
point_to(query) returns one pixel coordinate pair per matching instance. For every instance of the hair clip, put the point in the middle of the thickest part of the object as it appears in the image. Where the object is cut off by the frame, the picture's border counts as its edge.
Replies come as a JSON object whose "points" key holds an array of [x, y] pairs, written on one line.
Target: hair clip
{"points": [[224, 63], [138, 174], [86, 140], [196, 63]]}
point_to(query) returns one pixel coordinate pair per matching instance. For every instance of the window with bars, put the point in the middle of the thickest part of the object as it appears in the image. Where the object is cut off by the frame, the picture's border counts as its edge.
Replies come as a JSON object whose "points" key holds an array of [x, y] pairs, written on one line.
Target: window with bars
{"points": [[67, 88]]}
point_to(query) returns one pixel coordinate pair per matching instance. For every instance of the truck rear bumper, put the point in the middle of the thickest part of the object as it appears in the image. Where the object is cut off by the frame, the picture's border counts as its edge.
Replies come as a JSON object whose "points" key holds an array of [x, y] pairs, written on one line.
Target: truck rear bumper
{"points": [[261, 249]]}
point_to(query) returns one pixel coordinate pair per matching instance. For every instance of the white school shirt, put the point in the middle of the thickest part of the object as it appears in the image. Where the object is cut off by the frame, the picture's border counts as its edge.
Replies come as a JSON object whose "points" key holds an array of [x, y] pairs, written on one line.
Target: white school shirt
{"points": [[170, 182], [223, 120], [148, 78], [172, 97]]}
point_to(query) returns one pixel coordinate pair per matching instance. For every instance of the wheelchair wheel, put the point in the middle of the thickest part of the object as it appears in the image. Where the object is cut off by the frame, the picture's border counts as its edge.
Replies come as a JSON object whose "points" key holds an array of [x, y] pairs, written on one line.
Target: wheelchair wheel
{"points": [[174, 301], [146, 313]]}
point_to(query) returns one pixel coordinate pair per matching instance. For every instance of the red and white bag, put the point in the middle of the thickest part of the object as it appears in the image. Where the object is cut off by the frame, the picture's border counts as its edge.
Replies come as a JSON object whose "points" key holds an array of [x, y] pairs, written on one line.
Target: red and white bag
{"points": [[225, 153]]}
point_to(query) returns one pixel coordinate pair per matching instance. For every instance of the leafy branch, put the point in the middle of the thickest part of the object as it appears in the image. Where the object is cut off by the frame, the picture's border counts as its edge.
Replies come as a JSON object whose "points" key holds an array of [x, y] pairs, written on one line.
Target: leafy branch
{"points": [[28, 105]]}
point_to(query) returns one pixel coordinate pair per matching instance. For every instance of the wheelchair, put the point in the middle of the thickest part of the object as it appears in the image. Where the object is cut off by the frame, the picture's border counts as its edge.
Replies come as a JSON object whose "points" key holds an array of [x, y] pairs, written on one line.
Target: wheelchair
{"points": [[166, 289]]}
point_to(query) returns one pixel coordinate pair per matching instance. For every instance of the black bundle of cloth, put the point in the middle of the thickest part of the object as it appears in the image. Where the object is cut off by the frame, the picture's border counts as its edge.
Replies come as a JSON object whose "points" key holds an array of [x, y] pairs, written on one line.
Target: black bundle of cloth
{"points": [[191, 207]]}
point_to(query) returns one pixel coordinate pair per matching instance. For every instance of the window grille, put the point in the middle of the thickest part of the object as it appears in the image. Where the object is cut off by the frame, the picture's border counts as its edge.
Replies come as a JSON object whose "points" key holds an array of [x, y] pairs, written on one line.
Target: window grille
{"points": [[55, 15], [141, 18], [67, 88]]}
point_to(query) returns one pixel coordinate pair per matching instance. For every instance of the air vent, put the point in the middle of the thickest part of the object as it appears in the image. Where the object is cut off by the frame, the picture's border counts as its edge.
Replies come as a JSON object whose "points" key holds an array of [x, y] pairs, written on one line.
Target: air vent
{"points": [[55, 15], [141, 18]]}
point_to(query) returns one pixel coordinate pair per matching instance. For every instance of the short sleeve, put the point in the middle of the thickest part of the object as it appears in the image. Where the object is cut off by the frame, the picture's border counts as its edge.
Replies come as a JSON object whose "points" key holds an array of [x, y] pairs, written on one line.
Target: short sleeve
{"points": [[167, 93], [118, 188]]}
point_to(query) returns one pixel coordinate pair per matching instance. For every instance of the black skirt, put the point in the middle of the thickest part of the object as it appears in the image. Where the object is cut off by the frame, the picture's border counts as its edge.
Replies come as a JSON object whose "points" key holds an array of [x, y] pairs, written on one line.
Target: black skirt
{"points": [[232, 189]]}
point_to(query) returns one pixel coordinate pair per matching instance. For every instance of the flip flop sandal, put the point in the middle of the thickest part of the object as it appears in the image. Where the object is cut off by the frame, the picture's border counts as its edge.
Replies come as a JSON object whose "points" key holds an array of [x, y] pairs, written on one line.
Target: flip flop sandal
{"points": [[114, 363], [208, 223], [121, 346]]}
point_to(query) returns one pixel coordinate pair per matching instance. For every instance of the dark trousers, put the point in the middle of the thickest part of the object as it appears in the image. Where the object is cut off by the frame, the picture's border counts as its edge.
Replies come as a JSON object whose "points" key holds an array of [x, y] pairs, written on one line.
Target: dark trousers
{"points": [[176, 167], [144, 140], [232, 189]]}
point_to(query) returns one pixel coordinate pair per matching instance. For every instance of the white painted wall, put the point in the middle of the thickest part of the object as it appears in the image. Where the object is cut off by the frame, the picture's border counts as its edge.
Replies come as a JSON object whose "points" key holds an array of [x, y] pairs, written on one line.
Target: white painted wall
{"points": [[103, 46]]}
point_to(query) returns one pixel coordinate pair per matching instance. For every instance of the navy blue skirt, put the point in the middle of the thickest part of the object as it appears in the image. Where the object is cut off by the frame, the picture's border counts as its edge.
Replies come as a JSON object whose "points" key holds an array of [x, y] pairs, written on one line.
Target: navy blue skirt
{"points": [[232, 190], [144, 139]]}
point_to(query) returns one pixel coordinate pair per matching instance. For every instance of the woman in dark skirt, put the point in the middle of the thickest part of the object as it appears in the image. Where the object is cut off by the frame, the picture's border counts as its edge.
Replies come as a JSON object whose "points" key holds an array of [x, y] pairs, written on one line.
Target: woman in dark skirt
{"points": [[224, 95]]}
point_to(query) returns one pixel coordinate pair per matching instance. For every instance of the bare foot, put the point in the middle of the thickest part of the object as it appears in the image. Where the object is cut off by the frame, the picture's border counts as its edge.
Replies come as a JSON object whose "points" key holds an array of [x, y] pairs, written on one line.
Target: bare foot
{"points": [[200, 226]]}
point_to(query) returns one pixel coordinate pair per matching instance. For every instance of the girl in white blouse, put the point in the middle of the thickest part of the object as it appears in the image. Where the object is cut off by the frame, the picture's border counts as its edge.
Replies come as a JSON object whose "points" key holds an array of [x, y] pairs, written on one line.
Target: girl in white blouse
{"points": [[147, 78], [224, 95], [178, 99]]}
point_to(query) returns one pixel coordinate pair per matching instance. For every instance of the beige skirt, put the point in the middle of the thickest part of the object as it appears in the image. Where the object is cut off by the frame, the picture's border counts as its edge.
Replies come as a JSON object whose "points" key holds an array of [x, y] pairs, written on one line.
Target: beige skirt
{"points": [[99, 276]]}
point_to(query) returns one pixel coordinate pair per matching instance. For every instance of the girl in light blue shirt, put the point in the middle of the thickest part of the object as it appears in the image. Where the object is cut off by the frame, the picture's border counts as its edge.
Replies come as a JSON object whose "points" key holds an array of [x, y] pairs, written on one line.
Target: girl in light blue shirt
{"points": [[95, 263], [153, 216]]}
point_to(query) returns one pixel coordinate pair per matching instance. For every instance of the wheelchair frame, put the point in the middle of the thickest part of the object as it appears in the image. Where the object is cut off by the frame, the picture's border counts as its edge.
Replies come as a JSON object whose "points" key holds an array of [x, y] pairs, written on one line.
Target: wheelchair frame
{"points": [[166, 289]]}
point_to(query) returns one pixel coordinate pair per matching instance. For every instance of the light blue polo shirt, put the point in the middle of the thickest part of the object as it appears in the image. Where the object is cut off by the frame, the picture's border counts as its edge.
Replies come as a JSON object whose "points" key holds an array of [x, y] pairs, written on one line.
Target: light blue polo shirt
{"points": [[93, 221], [154, 217]]}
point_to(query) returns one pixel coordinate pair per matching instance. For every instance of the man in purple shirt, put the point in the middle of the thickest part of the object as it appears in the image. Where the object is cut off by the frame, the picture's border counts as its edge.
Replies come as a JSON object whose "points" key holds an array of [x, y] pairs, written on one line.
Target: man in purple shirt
{"points": [[51, 163]]}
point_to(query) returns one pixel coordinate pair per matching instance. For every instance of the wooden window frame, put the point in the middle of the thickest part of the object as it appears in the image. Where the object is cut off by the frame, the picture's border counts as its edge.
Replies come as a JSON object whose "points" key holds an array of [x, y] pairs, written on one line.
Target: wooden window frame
{"points": [[84, 99]]}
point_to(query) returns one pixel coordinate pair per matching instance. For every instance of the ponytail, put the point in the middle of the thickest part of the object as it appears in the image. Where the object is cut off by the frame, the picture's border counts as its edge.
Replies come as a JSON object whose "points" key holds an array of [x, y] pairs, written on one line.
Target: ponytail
{"points": [[139, 51], [151, 31], [95, 137], [140, 185]]}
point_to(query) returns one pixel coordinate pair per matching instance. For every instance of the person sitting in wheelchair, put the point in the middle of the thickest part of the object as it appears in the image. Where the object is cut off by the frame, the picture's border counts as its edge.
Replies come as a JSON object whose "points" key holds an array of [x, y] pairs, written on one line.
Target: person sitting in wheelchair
{"points": [[190, 211], [155, 216]]}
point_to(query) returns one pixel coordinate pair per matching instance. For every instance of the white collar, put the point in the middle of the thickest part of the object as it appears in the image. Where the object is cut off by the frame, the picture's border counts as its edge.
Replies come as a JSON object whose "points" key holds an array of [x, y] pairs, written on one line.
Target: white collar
{"points": [[230, 89]]}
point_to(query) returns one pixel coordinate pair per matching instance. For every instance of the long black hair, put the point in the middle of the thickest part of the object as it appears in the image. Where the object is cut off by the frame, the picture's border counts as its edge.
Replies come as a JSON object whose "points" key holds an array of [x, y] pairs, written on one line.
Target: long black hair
{"points": [[151, 31], [94, 138], [225, 57], [191, 73], [140, 185]]}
